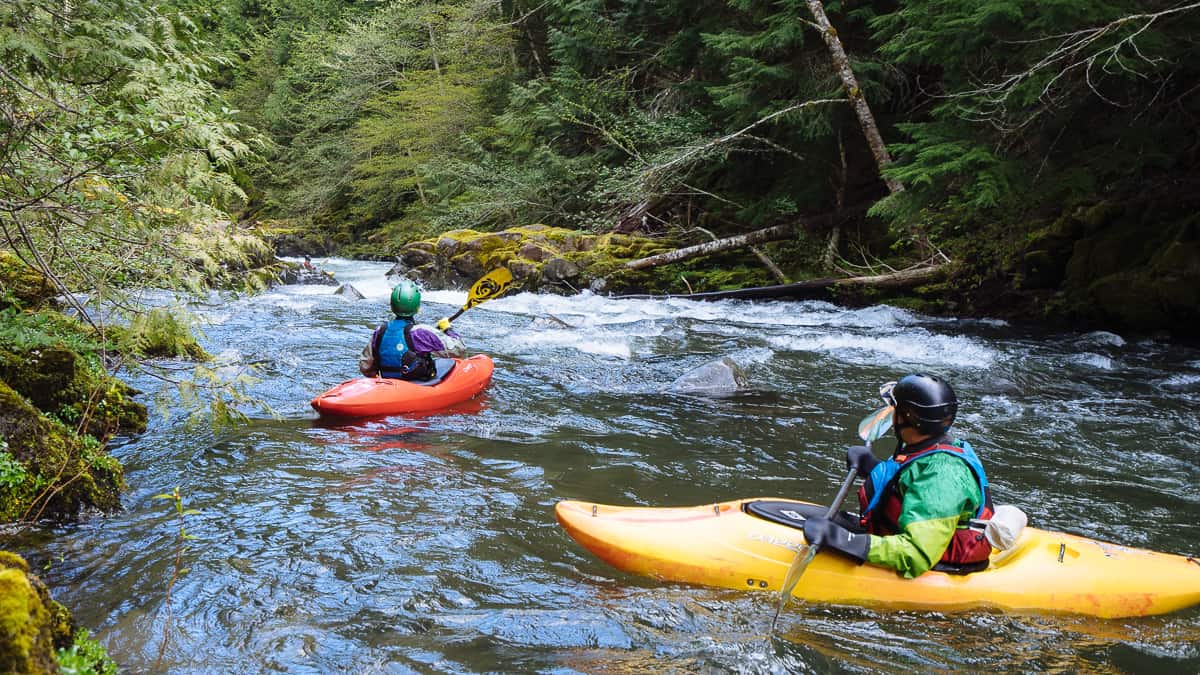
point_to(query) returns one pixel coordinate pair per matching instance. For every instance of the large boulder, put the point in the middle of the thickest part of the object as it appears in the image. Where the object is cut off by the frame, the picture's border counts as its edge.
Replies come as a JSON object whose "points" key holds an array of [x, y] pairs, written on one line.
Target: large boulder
{"points": [[541, 258], [1136, 272], [56, 380], [21, 284], [716, 378], [51, 473]]}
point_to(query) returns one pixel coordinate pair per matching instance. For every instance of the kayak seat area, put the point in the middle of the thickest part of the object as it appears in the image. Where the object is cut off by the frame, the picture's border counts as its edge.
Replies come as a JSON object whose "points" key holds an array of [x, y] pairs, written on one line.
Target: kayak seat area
{"points": [[793, 514], [443, 366]]}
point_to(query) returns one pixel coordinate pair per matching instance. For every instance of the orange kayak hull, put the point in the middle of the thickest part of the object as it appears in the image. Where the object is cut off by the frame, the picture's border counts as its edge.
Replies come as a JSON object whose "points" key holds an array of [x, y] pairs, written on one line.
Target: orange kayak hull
{"points": [[372, 396]]}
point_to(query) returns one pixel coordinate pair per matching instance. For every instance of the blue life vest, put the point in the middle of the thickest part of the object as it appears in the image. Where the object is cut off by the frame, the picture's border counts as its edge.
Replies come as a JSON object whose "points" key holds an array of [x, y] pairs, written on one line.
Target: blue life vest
{"points": [[392, 345], [886, 471], [968, 549]]}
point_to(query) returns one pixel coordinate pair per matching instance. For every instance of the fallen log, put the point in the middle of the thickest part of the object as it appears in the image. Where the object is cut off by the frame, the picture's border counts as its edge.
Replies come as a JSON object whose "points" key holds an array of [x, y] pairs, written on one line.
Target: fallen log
{"points": [[758, 236], [775, 233], [814, 289]]}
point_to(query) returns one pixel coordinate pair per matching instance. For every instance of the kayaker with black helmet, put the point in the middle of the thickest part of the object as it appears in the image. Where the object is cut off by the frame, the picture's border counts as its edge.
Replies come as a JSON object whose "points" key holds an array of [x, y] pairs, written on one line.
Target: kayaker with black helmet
{"points": [[920, 507], [404, 349]]}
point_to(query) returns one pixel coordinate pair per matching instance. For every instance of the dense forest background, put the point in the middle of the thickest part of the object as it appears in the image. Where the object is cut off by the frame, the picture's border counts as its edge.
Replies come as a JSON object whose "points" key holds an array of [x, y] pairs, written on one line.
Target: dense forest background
{"points": [[1048, 149]]}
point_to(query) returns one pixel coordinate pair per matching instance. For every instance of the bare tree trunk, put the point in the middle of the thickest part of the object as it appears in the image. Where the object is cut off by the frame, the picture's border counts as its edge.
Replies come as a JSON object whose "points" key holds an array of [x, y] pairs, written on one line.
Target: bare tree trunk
{"points": [[835, 234], [433, 50], [756, 237], [775, 271], [841, 63]]}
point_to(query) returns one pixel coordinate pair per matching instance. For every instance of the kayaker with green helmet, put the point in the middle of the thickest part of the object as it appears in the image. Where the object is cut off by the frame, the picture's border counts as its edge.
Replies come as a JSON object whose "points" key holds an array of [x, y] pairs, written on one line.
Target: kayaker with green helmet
{"points": [[921, 507], [404, 349]]}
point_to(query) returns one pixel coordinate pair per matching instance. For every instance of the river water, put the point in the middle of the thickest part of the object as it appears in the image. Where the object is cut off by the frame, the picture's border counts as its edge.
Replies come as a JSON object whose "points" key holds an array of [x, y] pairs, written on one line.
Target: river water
{"points": [[429, 544]]}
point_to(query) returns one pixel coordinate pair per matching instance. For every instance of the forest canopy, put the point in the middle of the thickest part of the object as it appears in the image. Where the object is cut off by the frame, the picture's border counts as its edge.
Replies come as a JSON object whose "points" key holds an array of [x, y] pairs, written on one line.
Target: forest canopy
{"points": [[381, 122]]}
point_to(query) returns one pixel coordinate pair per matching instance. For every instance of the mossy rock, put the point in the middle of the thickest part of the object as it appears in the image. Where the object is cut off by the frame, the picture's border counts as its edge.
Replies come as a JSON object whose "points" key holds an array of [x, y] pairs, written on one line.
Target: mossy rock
{"points": [[57, 381], [21, 285], [58, 474], [32, 625]]}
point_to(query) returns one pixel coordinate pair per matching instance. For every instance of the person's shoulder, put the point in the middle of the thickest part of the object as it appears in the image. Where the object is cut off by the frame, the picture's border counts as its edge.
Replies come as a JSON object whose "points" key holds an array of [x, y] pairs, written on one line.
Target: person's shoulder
{"points": [[937, 463]]}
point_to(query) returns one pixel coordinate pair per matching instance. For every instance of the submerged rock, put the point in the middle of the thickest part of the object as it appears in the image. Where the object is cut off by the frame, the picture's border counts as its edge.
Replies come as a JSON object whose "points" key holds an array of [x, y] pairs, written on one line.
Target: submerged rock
{"points": [[307, 276], [716, 378], [349, 292]]}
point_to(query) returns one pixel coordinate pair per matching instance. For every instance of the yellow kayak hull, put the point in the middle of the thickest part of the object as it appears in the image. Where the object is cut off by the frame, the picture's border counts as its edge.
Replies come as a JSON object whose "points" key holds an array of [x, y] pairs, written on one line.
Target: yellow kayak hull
{"points": [[722, 545]]}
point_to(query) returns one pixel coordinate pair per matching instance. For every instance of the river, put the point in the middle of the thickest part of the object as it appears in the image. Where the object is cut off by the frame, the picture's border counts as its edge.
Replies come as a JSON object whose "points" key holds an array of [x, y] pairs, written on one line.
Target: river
{"points": [[429, 544]]}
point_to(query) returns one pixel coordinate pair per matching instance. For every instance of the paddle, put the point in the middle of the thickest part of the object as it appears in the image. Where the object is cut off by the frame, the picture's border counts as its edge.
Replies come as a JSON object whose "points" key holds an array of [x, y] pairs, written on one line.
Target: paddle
{"points": [[870, 428], [489, 286]]}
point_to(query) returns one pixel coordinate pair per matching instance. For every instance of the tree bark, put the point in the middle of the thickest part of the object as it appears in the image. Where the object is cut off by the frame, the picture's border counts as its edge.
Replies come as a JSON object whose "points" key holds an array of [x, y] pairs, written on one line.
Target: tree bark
{"points": [[841, 63], [756, 237], [770, 264]]}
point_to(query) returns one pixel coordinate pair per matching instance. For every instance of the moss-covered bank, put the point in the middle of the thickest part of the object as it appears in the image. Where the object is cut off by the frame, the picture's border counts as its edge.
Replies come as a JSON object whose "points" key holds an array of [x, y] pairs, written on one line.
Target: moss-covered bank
{"points": [[558, 260], [37, 634], [59, 407]]}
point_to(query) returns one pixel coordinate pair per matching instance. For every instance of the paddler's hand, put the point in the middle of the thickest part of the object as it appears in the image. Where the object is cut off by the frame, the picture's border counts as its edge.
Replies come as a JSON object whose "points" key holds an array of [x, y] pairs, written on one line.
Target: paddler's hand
{"points": [[444, 325], [824, 533], [861, 459]]}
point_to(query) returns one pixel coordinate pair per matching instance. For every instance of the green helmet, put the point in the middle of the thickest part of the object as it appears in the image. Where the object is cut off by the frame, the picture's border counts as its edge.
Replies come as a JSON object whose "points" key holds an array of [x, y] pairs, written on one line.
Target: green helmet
{"points": [[406, 298]]}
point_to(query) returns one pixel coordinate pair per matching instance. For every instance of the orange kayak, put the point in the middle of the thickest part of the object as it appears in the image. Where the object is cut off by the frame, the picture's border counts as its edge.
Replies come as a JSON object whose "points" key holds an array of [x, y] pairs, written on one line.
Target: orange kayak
{"points": [[458, 380]]}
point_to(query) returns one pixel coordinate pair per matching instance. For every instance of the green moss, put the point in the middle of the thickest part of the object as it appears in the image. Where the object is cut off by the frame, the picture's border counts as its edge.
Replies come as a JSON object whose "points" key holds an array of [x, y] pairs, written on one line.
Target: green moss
{"points": [[26, 639], [74, 389], [20, 285], [64, 473]]}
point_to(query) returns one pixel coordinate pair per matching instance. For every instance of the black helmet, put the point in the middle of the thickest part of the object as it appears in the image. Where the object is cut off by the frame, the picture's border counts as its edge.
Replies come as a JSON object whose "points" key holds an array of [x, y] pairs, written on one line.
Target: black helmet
{"points": [[927, 402]]}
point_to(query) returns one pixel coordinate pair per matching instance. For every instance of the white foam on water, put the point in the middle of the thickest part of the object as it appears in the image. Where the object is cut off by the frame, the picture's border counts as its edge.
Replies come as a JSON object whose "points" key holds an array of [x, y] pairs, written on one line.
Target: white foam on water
{"points": [[586, 342], [1090, 360], [919, 347], [1179, 382], [752, 356]]}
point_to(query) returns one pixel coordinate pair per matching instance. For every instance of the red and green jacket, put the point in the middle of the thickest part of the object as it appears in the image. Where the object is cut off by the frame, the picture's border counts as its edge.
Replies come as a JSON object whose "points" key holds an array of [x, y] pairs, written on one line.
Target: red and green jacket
{"points": [[918, 504]]}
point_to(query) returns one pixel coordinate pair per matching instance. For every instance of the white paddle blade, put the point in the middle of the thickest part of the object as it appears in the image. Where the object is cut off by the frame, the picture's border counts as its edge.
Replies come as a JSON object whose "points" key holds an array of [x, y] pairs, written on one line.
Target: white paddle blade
{"points": [[875, 425]]}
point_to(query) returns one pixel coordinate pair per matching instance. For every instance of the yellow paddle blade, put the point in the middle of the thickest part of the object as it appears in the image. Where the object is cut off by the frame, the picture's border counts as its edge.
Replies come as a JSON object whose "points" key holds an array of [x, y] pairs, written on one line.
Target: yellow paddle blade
{"points": [[492, 284]]}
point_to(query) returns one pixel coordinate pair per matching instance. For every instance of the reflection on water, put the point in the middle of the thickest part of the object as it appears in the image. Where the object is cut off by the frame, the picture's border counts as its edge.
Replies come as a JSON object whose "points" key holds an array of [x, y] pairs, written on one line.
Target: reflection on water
{"points": [[429, 543]]}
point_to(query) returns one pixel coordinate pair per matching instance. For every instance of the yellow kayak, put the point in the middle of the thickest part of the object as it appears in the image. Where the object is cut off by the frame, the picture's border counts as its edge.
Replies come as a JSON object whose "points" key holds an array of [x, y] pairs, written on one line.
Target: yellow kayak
{"points": [[725, 545]]}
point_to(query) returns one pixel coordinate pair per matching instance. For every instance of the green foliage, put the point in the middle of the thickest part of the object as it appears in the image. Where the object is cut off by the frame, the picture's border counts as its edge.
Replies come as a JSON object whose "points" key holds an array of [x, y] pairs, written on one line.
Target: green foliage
{"points": [[1040, 103], [85, 656], [25, 331], [938, 163], [12, 471], [117, 142], [163, 331]]}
